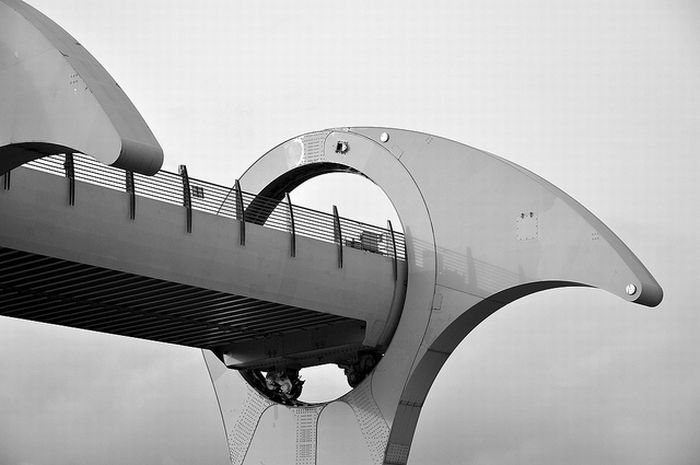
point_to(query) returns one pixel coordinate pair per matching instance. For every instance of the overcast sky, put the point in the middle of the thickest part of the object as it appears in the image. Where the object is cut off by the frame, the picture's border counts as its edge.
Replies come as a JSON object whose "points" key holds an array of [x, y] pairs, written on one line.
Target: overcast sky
{"points": [[602, 98]]}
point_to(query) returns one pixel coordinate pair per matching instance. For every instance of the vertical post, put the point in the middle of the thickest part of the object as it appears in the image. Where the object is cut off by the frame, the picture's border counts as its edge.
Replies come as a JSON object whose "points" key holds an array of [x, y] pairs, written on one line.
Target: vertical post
{"points": [[6, 180], [338, 235], [69, 167], [393, 243], [131, 190], [292, 227], [186, 196], [240, 211]]}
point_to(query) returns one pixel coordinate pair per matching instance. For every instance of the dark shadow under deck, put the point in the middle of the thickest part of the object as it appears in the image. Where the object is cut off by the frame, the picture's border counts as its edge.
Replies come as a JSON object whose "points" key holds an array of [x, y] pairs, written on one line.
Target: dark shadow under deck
{"points": [[62, 292]]}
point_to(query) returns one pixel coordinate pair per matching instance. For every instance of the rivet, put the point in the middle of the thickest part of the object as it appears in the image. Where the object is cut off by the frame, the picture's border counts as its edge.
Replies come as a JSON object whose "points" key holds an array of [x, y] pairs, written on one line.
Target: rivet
{"points": [[631, 289], [384, 137]]}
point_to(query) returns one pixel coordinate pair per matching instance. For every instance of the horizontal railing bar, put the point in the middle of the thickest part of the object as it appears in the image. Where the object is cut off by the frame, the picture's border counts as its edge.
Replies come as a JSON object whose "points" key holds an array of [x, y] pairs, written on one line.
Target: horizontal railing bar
{"points": [[220, 200]]}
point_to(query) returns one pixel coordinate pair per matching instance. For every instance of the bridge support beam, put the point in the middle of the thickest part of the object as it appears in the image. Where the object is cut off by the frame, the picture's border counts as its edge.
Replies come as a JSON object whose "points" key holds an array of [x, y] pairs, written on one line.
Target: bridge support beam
{"points": [[481, 232]]}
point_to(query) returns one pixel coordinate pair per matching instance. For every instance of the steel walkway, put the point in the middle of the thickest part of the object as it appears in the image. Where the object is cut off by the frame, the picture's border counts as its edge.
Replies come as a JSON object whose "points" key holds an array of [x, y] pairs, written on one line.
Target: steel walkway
{"points": [[174, 259]]}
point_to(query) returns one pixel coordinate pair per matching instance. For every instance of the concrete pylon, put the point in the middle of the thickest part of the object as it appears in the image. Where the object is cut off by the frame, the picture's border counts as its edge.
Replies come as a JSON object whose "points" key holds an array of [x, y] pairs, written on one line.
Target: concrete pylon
{"points": [[480, 231]]}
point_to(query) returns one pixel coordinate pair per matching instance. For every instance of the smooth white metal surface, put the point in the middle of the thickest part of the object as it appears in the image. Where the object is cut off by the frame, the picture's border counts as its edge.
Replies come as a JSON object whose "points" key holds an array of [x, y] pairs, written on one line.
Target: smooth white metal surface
{"points": [[56, 98]]}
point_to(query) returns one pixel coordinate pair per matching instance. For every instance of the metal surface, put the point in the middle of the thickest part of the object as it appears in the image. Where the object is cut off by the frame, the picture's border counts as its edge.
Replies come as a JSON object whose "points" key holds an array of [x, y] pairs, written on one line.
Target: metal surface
{"points": [[186, 197], [480, 232], [292, 227], [57, 98], [393, 246], [240, 211], [338, 234], [69, 167], [130, 185]]}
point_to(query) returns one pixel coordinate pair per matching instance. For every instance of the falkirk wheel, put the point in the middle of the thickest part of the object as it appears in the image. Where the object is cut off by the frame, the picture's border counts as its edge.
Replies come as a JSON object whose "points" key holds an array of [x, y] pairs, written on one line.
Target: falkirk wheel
{"points": [[480, 232]]}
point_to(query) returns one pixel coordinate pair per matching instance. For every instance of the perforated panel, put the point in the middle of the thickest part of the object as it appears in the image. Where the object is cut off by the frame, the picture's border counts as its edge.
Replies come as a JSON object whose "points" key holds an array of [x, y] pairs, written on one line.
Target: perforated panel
{"points": [[307, 421], [314, 147], [240, 436], [373, 426], [397, 454]]}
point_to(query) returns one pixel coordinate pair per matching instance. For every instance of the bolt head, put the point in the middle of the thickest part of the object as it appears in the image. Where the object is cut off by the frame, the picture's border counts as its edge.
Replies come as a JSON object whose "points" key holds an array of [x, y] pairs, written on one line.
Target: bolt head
{"points": [[384, 137], [342, 147], [631, 289]]}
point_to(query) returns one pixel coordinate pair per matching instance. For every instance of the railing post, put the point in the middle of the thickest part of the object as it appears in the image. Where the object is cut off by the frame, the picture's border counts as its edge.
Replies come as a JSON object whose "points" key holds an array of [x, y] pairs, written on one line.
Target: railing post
{"points": [[292, 227], [240, 211], [393, 243], [186, 196], [6, 180], [338, 235], [131, 190], [69, 168]]}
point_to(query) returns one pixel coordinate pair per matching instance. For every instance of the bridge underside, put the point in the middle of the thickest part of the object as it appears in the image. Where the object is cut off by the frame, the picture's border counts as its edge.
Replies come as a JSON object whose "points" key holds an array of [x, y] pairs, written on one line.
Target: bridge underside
{"points": [[67, 293]]}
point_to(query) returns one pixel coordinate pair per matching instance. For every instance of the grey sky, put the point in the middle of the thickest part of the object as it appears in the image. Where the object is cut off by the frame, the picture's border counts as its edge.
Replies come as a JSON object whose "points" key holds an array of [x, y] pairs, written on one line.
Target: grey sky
{"points": [[600, 97]]}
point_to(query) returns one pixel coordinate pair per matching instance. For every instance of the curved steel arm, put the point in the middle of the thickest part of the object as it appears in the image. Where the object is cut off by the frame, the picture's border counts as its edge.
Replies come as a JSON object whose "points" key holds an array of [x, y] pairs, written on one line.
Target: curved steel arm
{"points": [[488, 223], [57, 98], [480, 232]]}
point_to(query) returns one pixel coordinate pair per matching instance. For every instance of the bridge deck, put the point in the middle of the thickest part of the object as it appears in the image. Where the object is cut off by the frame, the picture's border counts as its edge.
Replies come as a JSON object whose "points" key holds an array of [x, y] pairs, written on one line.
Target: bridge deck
{"points": [[90, 265]]}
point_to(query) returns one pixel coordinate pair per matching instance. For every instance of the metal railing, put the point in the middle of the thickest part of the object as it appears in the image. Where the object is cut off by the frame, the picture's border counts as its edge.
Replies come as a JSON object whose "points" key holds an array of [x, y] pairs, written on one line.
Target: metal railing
{"points": [[230, 202]]}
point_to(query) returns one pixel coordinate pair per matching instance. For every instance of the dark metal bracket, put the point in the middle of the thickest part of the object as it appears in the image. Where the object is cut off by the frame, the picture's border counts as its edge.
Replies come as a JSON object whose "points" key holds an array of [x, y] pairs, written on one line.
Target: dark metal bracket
{"points": [[393, 243], [338, 235], [240, 210], [131, 190], [186, 196], [69, 167], [292, 226]]}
